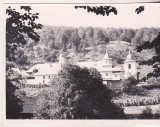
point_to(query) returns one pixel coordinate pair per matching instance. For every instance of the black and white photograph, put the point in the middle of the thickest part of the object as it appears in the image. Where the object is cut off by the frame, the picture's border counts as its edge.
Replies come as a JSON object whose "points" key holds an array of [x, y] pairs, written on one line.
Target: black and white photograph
{"points": [[82, 61]]}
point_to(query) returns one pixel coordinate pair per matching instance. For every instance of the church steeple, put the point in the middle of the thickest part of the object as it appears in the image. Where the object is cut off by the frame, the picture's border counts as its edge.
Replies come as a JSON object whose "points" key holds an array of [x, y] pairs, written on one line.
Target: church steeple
{"points": [[106, 56], [130, 66], [129, 57], [106, 60]]}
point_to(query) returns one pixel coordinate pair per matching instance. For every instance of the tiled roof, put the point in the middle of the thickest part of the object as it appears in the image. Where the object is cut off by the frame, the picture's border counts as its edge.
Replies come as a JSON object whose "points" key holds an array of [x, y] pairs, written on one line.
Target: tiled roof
{"points": [[106, 56]]}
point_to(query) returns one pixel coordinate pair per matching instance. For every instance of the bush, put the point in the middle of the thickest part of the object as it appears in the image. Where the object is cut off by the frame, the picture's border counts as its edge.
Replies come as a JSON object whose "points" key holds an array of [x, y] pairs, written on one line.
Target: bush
{"points": [[150, 87], [147, 113], [20, 93], [157, 113], [154, 83], [13, 103], [129, 85], [77, 93]]}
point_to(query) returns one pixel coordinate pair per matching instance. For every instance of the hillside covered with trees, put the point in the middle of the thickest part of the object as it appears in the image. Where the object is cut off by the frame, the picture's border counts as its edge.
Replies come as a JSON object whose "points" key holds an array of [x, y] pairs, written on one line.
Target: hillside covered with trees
{"points": [[85, 43], [79, 93]]}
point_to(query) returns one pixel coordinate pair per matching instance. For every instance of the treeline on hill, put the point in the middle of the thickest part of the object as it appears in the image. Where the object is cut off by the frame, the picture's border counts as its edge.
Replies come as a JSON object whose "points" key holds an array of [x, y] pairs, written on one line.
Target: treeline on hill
{"points": [[83, 43]]}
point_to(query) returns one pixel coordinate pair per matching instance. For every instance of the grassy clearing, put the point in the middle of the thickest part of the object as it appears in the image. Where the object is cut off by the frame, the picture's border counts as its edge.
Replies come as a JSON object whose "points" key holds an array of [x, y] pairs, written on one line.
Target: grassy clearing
{"points": [[138, 109]]}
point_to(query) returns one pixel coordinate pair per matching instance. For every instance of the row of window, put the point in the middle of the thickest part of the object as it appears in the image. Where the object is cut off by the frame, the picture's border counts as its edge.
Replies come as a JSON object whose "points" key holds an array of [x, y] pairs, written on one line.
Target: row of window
{"points": [[108, 75], [48, 77], [110, 62], [34, 77]]}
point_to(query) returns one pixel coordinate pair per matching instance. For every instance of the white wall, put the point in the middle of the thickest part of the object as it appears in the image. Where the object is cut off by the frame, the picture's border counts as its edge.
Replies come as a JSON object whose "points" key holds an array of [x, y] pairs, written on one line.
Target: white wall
{"points": [[111, 75], [38, 80], [130, 72]]}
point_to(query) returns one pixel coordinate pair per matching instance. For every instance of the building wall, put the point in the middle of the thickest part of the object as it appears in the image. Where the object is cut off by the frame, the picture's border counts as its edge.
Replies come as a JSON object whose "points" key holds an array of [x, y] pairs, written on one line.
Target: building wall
{"points": [[113, 79], [106, 75], [106, 63], [111, 76], [39, 79], [130, 71]]}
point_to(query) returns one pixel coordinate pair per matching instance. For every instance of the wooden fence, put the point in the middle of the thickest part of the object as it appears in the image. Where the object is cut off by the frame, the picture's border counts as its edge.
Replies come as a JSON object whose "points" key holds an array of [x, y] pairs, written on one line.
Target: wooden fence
{"points": [[31, 85]]}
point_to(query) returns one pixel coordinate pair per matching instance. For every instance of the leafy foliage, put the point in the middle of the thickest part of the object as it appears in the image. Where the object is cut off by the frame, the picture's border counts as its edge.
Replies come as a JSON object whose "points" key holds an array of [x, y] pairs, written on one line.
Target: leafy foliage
{"points": [[154, 81], [87, 41], [129, 85], [77, 93], [18, 25], [13, 104], [147, 113], [20, 58], [99, 10], [106, 10], [155, 60], [139, 9]]}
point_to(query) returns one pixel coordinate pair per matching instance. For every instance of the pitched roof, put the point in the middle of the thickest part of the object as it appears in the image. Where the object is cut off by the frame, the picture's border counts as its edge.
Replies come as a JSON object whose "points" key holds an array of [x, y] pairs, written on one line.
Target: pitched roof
{"points": [[99, 68], [87, 64], [46, 69], [129, 57], [106, 56]]}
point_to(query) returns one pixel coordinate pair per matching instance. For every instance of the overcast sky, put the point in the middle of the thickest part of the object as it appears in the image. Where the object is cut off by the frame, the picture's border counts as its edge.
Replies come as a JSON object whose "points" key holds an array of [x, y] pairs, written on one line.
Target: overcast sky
{"points": [[67, 15]]}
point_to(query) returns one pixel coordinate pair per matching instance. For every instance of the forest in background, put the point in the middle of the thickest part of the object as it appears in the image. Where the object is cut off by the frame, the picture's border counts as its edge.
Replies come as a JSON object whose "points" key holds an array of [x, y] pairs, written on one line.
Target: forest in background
{"points": [[68, 41], [85, 44]]}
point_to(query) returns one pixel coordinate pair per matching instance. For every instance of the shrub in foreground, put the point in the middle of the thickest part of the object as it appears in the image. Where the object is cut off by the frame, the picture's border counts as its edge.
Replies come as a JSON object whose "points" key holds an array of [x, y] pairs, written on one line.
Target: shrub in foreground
{"points": [[77, 93]]}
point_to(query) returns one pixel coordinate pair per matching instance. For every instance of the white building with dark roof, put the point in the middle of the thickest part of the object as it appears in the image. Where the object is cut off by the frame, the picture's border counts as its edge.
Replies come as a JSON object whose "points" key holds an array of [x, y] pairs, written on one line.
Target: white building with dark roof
{"points": [[41, 74]]}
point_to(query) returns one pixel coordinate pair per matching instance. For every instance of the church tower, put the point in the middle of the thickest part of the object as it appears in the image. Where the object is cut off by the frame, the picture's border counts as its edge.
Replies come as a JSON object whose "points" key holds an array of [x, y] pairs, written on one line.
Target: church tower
{"points": [[106, 61], [130, 67], [61, 59]]}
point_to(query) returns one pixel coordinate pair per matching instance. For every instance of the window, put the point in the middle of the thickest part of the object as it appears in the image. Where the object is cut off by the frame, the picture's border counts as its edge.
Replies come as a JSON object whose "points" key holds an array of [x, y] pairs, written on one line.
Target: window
{"points": [[106, 74], [35, 70], [43, 77], [129, 66], [116, 72], [30, 77], [49, 77], [29, 72]]}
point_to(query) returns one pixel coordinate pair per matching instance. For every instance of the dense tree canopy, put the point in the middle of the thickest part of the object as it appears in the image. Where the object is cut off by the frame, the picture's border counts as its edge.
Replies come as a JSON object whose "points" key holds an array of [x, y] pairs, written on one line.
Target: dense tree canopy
{"points": [[129, 85], [77, 93], [106, 10], [99, 10], [18, 25], [83, 40], [13, 104], [143, 38], [155, 60]]}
